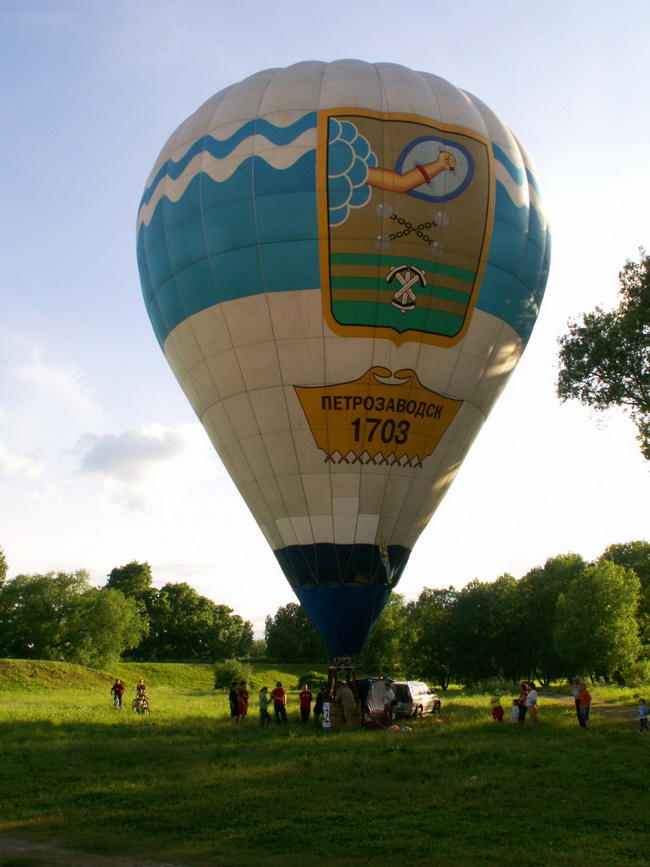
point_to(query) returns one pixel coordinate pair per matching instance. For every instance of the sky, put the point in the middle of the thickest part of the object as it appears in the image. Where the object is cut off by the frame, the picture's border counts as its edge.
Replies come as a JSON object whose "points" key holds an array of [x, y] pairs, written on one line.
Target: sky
{"points": [[102, 460]]}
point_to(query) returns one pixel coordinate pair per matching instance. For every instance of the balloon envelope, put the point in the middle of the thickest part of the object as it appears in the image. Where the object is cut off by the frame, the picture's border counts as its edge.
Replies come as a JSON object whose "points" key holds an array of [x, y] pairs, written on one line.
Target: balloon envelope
{"points": [[342, 263]]}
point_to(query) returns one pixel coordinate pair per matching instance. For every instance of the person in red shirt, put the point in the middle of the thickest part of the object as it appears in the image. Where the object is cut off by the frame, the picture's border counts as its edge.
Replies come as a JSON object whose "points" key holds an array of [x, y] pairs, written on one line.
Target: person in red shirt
{"points": [[242, 701], [118, 691], [585, 704], [305, 703], [279, 703]]}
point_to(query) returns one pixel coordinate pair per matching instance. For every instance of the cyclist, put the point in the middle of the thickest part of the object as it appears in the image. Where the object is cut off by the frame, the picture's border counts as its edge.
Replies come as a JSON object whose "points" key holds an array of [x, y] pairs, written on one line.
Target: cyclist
{"points": [[140, 701], [118, 691]]}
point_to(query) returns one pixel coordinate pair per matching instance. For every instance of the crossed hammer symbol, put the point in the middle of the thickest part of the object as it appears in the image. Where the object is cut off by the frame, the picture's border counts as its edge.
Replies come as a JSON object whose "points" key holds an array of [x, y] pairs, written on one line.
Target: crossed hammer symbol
{"points": [[407, 275]]}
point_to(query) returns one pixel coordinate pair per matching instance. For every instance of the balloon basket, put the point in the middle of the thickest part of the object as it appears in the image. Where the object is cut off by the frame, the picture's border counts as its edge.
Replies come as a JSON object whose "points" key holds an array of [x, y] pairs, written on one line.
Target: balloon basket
{"points": [[333, 719]]}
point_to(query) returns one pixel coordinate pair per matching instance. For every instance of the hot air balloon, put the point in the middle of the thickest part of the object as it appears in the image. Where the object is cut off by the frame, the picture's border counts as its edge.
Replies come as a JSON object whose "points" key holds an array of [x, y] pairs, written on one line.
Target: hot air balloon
{"points": [[342, 263]]}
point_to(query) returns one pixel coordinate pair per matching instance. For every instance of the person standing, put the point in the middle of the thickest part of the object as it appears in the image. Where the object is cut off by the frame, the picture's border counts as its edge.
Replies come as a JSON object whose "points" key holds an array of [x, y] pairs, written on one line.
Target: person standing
{"points": [[321, 695], [497, 707], [531, 703], [585, 704], [305, 703], [521, 702], [242, 694], [643, 715], [264, 699], [577, 686], [346, 698], [389, 702], [233, 699], [279, 703]]}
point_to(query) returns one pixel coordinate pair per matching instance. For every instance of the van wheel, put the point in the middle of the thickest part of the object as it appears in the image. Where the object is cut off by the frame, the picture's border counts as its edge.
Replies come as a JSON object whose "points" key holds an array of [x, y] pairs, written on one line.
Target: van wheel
{"points": [[437, 706], [419, 713]]}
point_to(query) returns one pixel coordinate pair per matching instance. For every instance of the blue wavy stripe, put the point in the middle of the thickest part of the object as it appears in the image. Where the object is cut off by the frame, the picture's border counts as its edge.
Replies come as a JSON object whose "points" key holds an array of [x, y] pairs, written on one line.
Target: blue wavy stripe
{"points": [[532, 180], [517, 268], [520, 176], [219, 149], [255, 232], [517, 174]]}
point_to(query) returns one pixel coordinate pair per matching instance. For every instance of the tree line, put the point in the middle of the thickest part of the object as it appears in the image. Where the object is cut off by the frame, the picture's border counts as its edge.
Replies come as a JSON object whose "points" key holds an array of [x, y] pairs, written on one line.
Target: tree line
{"points": [[568, 617], [60, 616]]}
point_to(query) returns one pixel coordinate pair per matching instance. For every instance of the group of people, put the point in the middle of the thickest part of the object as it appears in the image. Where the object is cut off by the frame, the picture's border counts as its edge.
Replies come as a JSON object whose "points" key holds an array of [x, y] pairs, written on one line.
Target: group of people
{"points": [[238, 699], [277, 699], [525, 703], [118, 689]]}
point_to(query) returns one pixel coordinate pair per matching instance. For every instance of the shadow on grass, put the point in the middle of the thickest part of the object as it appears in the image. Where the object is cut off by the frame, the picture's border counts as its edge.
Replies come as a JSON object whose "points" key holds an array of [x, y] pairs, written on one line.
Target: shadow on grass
{"points": [[199, 791]]}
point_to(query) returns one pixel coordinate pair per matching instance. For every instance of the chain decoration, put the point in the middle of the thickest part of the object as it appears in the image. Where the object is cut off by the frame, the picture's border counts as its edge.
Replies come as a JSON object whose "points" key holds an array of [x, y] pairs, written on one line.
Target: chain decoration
{"points": [[409, 228]]}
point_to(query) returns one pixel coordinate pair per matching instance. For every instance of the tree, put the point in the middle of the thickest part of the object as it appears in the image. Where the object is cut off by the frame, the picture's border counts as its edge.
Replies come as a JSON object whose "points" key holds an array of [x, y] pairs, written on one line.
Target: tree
{"points": [[4, 566], [605, 357], [540, 589], [384, 650], [430, 645], [186, 626], [489, 631], [292, 637], [59, 616], [636, 556], [104, 624], [257, 650], [596, 632], [35, 613], [134, 581]]}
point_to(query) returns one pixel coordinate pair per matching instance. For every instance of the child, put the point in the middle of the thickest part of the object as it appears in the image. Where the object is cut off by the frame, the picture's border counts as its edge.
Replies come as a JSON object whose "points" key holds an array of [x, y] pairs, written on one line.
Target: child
{"points": [[514, 712], [643, 715], [264, 699], [497, 709]]}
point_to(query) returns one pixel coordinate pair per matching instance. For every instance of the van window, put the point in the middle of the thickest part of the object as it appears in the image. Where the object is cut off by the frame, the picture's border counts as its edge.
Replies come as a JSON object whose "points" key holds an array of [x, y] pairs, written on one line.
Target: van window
{"points": [[401, 691]]}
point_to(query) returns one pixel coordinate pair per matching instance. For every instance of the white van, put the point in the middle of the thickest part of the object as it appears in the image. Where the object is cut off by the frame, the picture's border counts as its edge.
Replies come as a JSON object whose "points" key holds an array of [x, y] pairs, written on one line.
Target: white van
{"points": [[414, 699]]}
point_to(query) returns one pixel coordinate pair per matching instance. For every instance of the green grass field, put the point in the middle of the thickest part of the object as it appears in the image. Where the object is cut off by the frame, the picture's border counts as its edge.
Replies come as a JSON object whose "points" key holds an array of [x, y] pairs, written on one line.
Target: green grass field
{"points": [[184, 787]]}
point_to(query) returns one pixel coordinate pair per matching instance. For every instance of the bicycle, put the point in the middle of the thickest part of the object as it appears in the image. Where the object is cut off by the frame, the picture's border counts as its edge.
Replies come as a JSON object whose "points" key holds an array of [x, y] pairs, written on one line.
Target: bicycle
{"points": [[140, 705]]}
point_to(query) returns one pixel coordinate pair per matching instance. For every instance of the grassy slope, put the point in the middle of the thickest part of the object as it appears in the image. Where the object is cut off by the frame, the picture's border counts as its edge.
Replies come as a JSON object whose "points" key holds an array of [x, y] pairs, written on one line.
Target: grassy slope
{"points": [[16, 674]]}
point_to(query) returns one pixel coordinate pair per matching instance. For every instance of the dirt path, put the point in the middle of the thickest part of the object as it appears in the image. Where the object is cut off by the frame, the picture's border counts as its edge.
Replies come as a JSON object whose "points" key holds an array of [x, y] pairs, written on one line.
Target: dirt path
{"points": [[610, 709], [15, 852]]}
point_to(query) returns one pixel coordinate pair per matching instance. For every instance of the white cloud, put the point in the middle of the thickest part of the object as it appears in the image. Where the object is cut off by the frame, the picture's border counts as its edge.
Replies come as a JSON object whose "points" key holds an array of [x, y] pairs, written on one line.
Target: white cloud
{"points": [[48, 492], [65, 384], [147, 468], [127, 456], [11, 464]]}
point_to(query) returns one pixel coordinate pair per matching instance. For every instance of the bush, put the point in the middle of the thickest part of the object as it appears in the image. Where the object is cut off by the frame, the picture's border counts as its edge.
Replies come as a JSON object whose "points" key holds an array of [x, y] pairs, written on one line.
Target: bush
{"points": [[635, 674], [313, 679], [231, 670]]}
